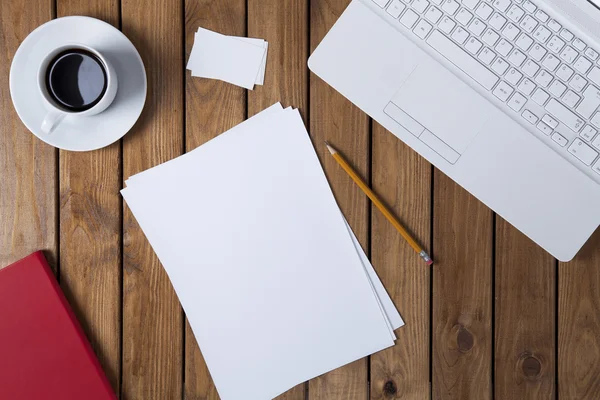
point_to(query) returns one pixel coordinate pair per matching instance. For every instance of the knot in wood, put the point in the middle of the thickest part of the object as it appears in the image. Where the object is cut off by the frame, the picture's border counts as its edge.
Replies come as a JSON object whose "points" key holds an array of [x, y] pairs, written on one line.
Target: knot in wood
{"points": [[464, 339], [389, 388], [531, 367]]}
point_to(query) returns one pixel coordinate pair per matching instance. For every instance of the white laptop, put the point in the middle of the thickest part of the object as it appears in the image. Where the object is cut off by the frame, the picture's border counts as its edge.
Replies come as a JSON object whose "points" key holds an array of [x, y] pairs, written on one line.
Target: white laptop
{"points": [[502, 96]]}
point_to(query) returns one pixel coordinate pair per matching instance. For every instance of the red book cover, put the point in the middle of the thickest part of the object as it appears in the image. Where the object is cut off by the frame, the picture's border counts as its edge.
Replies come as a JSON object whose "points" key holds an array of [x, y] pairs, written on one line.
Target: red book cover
{"points": [[44, 353]]}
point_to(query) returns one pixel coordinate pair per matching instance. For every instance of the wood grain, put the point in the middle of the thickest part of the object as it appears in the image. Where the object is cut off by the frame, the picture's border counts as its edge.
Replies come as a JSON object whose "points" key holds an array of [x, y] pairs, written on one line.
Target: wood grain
{"points": [[335, 119], [284, 24], [579, 324], [152, 317], [525, 317], [90, 227], [212, 107], [403, 180], [28, 175], [462, 293]]}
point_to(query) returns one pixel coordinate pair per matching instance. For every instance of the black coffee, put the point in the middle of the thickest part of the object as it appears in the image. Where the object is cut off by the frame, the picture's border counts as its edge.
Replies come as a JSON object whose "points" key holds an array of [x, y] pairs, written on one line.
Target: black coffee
{"points": [[76, 79]]}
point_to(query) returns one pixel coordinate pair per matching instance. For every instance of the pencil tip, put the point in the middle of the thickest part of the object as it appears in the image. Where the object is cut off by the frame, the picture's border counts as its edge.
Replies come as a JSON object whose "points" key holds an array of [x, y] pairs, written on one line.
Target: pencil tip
{"points": [[331, 149]]}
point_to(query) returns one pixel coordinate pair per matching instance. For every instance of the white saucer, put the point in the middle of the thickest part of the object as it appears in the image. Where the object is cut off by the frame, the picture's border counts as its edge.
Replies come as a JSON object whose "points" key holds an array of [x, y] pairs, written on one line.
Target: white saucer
{"points": [[79, 133]]}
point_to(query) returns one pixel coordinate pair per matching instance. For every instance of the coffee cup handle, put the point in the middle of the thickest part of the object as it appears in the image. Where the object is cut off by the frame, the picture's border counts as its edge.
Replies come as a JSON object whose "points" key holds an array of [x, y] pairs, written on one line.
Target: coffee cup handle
{"points": [[51, 120]]}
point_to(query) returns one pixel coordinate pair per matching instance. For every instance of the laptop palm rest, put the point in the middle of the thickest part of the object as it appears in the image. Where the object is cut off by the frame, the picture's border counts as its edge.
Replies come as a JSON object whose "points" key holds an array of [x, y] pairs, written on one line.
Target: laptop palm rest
{"points": [[441, 110]]}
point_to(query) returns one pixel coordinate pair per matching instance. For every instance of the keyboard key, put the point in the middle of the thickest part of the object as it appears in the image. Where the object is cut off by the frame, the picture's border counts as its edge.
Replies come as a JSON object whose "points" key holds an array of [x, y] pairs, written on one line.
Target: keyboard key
{"points": [[543, 78], [591, 53], [497, 21], [530, 117], [515, 13], [486, 56], [596, 167], [473, 45], [513, 77], [590, 102], [594, 75], [484, 11], [530, 68], [564, 72], [540, 97], [526, 87], [564, 115], [503, 47], [596, 120], [554, 26], [528, 24], [582, 64], [499, 66], [537, 52], [476, 27], [579, 44], [516, 57], [450, 6], [546, 130], [420, 5], [460, 35], [568, 54], [422, 29], [557, 88], [437, 2], [396, 8], [470, 3], [567, 35], [433, 14], [524, 42], [542, 34], [583, 152], [517, 101], [490, 37], [551, 62], [560, 139], [511, 32], [409, 18], [578, 82], [463, 16], [462, 60], [571, 98], [501, 5], [529, 6], [588, 133], [446, 24], [551, 122], [503, 91], [542, 16], [381, 3], [596, 143], [555, 44]]}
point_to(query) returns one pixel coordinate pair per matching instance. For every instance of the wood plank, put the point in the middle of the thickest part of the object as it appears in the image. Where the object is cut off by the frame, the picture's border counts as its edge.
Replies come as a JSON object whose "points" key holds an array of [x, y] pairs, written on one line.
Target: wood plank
{"points": [[579, 324], [335, 119], [525, 317], [462, 293], [28, 172], [152, 317], [403, 179], [90, 226], [284, 24], [212, 107]]}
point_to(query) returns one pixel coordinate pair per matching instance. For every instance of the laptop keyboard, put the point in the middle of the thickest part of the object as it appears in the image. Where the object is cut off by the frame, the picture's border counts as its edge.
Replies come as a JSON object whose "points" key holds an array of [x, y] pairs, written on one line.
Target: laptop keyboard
{"points": [[541, 72]]}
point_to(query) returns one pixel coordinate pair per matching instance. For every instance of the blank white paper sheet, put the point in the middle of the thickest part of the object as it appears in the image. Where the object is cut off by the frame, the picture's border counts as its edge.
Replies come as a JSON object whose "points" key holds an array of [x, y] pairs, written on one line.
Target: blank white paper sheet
{"points": [[275, 285]]}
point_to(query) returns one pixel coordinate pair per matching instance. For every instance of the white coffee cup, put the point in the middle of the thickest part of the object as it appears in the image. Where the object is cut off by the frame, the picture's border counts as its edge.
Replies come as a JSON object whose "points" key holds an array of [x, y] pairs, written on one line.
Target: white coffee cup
{"points": [[56, 111]]}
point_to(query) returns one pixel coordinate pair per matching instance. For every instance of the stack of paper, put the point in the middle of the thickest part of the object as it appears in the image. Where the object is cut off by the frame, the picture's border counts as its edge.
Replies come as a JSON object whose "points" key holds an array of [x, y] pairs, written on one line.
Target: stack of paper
{"points": [[238, 60], [274, 283]]}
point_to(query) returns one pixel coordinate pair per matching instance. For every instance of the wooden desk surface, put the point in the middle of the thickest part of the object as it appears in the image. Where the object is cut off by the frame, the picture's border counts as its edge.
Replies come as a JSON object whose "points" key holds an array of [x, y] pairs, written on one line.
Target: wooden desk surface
{"points": [[497, 317]]}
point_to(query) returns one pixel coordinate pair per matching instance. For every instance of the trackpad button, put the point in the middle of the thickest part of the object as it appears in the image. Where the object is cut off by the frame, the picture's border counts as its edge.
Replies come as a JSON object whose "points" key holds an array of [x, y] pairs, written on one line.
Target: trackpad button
{"points": [[444, 105]]}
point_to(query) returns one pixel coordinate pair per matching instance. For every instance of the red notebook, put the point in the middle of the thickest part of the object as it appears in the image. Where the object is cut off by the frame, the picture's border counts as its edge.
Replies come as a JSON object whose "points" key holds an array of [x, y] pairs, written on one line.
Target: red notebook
{"points": [[44, 353]]}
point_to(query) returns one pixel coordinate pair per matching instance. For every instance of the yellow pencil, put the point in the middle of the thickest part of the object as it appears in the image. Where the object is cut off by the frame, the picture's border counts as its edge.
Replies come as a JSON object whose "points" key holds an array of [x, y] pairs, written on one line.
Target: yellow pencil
{"points": [[366, 190]]}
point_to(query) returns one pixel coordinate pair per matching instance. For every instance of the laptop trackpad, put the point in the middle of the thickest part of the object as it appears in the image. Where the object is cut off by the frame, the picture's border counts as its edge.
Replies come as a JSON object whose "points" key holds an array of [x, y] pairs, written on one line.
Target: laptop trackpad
{"points": [[444, 105]]}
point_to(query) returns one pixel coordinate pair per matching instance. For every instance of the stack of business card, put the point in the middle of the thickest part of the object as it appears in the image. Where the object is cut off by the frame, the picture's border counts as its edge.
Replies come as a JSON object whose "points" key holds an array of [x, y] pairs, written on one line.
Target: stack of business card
{"points": [[237, 60]]}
